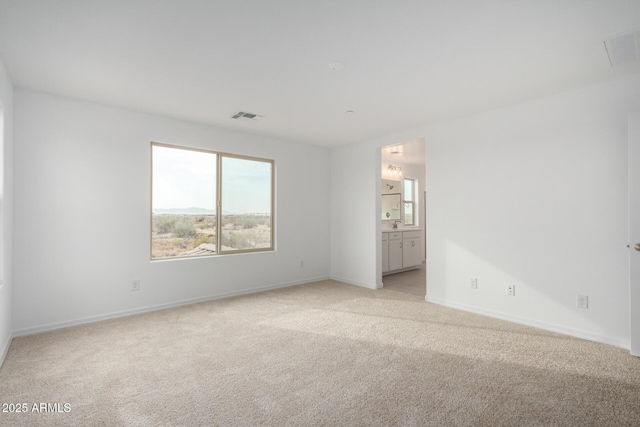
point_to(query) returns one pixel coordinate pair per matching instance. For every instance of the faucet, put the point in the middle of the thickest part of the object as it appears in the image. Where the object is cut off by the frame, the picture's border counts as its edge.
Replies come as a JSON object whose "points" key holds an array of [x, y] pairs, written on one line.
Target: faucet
{"points": [[395, 224]]}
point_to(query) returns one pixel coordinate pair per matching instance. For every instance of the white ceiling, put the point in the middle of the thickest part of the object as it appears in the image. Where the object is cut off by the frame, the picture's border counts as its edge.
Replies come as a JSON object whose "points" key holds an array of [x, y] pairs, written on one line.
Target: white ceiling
{"points": [[408, 62], [409, 152]]}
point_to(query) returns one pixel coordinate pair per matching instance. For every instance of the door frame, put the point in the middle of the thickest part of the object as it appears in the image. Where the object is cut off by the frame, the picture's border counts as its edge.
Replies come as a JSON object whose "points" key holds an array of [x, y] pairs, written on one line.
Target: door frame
{"points": [[633, 171]]}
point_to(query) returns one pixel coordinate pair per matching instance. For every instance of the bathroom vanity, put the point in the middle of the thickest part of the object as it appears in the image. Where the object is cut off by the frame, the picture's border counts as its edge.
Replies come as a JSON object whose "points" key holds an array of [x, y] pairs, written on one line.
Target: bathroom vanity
{"points": [[401, 250]]}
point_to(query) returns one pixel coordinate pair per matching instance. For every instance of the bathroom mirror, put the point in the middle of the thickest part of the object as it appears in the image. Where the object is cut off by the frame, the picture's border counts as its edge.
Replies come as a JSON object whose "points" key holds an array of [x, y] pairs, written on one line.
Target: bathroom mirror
{"points": [[391, 204]]}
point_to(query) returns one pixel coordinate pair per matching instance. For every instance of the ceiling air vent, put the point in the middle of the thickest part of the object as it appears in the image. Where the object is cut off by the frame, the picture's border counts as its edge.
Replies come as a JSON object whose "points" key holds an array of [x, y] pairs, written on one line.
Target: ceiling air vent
{"points": [[624, 48], [242, 115]]}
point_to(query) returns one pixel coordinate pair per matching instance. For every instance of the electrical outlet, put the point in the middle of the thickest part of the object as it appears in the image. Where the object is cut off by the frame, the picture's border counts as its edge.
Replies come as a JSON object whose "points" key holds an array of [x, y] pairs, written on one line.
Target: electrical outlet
{"points": [[511, 290], [473, 283], [135, 285], [583, 301]]}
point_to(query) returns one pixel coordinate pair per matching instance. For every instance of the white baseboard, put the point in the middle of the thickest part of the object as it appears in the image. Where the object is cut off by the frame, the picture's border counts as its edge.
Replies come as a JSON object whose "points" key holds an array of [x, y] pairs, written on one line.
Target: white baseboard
{"points": [[400, 270], [124, 313], [361, 284], [5, 349], [587, 335]]}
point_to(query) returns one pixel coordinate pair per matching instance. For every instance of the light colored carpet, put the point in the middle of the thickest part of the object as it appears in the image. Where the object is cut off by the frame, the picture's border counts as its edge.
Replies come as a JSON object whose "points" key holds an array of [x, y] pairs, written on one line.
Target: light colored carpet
{"points": [[318, 354]]}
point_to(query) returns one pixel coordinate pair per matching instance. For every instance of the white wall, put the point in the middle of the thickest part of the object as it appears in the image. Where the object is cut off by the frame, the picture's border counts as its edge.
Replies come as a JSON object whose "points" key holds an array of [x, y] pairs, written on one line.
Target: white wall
{"points": [[82, 214], [534, 195], [6, 210], [355, 217]]}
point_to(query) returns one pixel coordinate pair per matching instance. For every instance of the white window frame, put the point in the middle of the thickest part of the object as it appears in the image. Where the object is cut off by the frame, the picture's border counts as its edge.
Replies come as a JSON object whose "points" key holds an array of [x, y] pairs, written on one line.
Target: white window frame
{"points": [[412, 201]]}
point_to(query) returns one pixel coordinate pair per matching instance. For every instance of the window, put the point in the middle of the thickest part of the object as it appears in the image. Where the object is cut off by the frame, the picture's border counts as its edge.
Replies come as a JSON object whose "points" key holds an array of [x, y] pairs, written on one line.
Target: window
{"points": [[409, 201], [208, 203]]}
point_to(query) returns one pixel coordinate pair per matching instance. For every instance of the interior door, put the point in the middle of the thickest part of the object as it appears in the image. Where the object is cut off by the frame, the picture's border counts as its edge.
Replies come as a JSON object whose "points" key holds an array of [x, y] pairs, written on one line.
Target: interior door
{"points": [[634, 230]]}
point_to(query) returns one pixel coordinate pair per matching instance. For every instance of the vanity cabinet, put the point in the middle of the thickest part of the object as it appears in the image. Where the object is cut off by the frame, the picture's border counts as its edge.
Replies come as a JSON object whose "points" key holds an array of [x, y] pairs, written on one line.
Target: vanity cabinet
{"points": [[401, 250], [395, 251], [411, 248]]}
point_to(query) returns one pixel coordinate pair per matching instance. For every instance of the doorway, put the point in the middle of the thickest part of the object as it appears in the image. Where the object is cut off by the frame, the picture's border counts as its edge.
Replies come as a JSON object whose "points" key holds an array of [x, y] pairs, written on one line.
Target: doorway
{"points": [[402, 211], [413, 282]]}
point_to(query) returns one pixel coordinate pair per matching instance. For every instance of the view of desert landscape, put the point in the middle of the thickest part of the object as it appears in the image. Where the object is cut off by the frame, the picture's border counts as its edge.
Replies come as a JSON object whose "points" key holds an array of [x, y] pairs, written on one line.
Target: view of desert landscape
{"points": [[195, 235]]}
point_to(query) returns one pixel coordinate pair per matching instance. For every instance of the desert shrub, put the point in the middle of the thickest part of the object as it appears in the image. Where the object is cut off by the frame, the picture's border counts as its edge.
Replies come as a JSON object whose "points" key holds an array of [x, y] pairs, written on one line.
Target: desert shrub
{"points": [[249, 223], [164, 223], [235, 240], [203, 238], [246, 239], [177, 243], [208, 221], [184, 228]]}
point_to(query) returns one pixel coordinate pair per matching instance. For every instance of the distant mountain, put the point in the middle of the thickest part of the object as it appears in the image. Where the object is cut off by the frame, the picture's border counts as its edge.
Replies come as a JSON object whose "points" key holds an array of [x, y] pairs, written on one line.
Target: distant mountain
{"points": [[184, 211]]}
